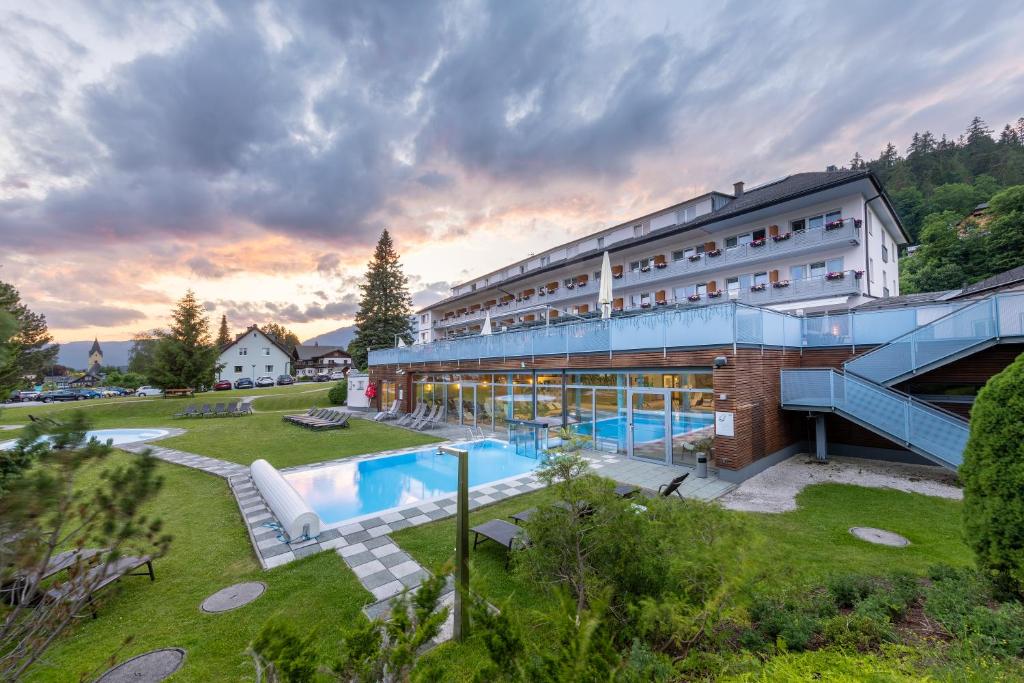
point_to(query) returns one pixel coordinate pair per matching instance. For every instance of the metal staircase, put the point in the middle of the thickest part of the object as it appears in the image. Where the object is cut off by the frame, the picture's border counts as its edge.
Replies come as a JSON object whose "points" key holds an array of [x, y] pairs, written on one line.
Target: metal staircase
{"points": [[861, 392]]}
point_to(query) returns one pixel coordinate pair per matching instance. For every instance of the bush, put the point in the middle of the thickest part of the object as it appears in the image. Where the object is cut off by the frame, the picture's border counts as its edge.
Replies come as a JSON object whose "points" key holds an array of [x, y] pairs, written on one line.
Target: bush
{"points": [[858, 630], [961, 600], [849, 589], [338, 395], [993, 478]]}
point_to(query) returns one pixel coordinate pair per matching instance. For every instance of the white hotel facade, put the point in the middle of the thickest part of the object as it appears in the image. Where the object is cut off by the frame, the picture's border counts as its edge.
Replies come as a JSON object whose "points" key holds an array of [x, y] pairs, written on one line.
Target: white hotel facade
{"points": [[806, 243]]}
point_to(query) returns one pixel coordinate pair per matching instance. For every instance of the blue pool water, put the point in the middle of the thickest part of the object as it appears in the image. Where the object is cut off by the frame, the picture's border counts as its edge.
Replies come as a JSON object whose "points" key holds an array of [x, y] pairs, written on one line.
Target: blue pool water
{"points": [[115, 436], [646, 427], [353, 489]]}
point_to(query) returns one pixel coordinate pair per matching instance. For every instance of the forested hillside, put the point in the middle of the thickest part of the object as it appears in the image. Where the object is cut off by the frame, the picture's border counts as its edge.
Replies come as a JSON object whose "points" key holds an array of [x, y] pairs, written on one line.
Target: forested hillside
{"points": [[936, 186]]}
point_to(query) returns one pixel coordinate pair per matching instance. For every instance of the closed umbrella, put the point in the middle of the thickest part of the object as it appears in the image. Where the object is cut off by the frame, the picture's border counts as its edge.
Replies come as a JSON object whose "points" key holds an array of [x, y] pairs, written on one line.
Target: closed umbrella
{"points": [[604, 294], [486, 329]]}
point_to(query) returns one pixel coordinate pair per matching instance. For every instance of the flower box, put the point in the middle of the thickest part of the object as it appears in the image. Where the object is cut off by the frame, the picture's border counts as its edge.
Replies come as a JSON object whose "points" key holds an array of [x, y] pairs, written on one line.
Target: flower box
{"points": [[581, 284], [759, 242], [713, 253], [693, 297], [541, 292], [660, 303], [694, 257], [780, 284], [857, 223], [858, 274], [570, 285], [782, 238], [661, 265], [646, 305], [834, 225], [617, 276], [645, 269], [757, 288], [836, 275], [714, 295]]}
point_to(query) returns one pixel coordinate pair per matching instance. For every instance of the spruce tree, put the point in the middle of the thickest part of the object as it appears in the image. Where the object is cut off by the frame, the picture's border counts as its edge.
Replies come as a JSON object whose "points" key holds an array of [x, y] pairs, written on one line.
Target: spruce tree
{"points": [[385, 306], [223, 334], [282, 335], [32, 348], [185, 355]]}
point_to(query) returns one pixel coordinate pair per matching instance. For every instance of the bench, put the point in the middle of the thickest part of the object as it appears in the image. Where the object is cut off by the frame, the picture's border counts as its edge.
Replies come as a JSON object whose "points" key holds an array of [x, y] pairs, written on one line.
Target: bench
{"points": [[178, 393]]}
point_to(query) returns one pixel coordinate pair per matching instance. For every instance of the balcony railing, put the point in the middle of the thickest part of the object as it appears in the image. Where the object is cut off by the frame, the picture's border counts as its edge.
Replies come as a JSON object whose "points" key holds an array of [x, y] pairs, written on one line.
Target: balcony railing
{"points": [[797, 242]]}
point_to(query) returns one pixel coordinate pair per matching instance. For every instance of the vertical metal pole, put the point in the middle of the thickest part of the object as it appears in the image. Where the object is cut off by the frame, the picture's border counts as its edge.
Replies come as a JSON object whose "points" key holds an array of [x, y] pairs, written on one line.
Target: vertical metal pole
{"points": [[821, 442], [461, 619]]}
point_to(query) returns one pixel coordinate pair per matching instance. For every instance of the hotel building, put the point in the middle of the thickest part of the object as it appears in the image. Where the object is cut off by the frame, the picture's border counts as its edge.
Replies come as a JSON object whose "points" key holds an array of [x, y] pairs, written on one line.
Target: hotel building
{"points": [[721, 305]]}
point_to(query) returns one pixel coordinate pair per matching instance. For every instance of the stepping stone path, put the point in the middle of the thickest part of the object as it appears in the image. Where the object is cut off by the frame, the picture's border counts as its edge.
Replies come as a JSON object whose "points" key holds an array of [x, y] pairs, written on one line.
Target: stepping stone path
{"points": [[233, 597], [150, 667], [879, 536], [222, 468]]}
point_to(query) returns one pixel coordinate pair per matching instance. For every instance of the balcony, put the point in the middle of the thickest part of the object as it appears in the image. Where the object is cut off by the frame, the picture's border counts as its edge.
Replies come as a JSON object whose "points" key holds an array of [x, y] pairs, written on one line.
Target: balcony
{"points": [[797, 243]]}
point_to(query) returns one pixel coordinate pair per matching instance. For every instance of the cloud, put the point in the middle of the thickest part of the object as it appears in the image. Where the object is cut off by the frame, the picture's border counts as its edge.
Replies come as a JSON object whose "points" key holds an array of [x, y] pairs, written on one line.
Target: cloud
{"points": [[71, 316], [204, 267], [248, 312]]}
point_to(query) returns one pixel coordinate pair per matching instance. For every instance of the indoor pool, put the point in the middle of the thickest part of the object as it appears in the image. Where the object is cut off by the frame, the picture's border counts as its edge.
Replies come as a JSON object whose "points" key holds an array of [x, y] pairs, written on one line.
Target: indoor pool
{"points": [[646, 427], [115, 436], [353, 489]]}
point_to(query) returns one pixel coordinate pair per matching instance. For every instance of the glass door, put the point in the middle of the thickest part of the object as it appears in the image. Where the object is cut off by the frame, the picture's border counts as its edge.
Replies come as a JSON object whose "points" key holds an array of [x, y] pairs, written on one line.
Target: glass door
{"points": [[469, 405], [646, 430]]}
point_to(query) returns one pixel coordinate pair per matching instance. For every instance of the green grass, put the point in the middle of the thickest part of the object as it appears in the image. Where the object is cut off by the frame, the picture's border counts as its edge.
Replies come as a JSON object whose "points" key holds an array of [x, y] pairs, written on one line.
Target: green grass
{"points": [[211, 550], [292, 401]]}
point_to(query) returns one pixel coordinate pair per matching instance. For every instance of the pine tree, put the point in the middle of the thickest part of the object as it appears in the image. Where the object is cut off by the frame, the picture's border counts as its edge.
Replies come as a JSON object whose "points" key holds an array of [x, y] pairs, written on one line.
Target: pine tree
{"points": [[223, 334], [385, 306], [282, 335], [32, 348], [857, 162], [185, 355]]}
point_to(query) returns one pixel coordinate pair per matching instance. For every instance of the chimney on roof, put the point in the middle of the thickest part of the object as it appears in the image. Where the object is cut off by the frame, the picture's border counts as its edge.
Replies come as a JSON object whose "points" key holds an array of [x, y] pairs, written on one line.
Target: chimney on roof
{"points": [[737, 189]]}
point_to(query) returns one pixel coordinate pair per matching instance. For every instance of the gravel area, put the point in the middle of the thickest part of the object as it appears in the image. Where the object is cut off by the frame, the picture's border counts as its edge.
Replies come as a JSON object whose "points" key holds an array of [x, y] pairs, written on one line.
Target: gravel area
{"points": [[775, 489]]}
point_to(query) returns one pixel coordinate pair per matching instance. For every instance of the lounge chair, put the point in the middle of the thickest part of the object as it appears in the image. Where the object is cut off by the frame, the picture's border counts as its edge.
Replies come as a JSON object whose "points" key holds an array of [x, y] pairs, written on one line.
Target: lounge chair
{"points": [[188, 412], [501, 532], [245, 407], [626, 490], [429, 417], [232, 409], [14, 589], [668, 489], [99, 578], [525, 515], [413, 416], [388, 414], [219, 411], [204, 411], [437, 421]]}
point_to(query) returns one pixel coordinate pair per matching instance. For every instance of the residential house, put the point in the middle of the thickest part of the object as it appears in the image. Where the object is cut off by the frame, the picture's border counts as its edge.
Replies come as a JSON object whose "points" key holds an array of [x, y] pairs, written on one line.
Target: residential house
{"points": [[310, 360], [253, 354]]}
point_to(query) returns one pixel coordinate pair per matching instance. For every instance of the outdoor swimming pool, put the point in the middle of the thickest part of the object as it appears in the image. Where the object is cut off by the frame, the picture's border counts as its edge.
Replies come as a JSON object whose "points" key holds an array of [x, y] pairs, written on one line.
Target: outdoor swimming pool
{"points": [[116, 436], [353, 489], [647, 427]]}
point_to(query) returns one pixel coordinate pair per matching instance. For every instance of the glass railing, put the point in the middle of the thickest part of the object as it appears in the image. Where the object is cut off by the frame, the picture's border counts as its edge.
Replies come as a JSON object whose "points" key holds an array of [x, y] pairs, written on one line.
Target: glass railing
{"points": [[960, 330], [913, 423]]}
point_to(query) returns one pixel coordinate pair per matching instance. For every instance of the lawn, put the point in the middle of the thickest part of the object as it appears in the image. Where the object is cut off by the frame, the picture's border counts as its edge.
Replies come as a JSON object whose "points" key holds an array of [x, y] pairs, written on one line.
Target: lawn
{"points": [[211, 550]]}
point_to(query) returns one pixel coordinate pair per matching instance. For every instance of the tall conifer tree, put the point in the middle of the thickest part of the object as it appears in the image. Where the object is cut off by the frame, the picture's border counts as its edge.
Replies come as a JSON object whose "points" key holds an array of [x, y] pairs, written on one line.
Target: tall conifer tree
{"points": [[385, 306], [185, 356], [223, 334], [31, 347]]}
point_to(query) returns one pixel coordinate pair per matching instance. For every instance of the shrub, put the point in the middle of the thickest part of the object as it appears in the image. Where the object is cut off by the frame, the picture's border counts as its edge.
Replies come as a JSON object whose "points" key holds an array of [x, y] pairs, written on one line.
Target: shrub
{"points": [[993, 478], [961, 599], [338, 395], [859, 630]]}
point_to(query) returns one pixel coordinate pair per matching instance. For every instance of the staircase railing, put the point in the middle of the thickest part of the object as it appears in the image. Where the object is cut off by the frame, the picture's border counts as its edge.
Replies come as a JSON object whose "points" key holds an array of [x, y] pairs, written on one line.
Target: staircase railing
{"points": [[980, 323], [930, 431]]}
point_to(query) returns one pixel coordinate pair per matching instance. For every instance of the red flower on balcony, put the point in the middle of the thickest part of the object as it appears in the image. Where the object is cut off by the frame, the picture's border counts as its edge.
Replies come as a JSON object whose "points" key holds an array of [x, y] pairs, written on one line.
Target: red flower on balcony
{"points": [[714, 252], [835, 275], [759, 242], [760, 287], [693, 297], [834, 225], [781, 238], [694, 257], [780, 284], [858, 274], [715, 294]]}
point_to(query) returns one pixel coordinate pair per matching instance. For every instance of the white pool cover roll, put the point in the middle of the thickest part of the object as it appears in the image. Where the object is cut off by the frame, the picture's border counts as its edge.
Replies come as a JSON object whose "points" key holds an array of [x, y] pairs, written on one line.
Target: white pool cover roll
{"points": [[296, 517]]}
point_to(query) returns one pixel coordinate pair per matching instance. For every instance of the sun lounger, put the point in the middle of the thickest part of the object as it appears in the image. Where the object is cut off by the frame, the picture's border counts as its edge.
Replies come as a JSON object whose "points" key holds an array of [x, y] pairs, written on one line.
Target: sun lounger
{"points": [[245, 407], [100, 577], [626, 490], [232, 409], [219, 411], [413, 416], [388, 414], [673, 486], [204, 411], [501, 532], [188, 412], [429, 417], [525, 515], [13, 590]]}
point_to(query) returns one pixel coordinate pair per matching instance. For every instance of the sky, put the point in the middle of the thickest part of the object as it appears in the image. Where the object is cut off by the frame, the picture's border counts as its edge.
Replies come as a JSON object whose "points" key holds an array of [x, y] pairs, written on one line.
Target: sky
{"points": [[254, 151]]}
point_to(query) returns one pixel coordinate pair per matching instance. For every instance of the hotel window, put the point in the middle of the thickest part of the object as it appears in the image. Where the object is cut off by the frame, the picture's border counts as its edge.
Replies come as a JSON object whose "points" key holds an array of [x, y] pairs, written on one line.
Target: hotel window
{"points": [[885, 252], [798, 225], [818, 269], [270, 368], [701, 289], [678, 255], [638, 230], [637, 265], [745, 238], [567, 281], [266, 350], [679, 293], [687, 214], [797, 272], [545, 260], [597, 274], [243, 351], [834, 265], [694, 251], [472, 287], [600, 243], [732, 284], [522, 269], [885, 285], [238, 369], [760, 278], [871, 269]]}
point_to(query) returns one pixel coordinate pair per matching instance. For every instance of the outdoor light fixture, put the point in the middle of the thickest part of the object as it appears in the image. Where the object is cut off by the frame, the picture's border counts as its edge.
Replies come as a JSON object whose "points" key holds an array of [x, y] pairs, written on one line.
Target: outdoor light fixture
{"points": [[721, 361]]}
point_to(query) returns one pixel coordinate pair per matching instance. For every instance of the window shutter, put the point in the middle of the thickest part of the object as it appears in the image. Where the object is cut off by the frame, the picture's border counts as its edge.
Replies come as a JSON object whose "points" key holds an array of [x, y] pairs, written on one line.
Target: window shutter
{"points": [[773, 276], [712, 286]]}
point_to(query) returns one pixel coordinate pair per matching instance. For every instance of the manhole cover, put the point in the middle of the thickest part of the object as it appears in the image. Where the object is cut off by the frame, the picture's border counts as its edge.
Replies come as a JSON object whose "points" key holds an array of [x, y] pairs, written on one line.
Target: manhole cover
{"points": [[146, 668], [879, 536], [234, 597]]}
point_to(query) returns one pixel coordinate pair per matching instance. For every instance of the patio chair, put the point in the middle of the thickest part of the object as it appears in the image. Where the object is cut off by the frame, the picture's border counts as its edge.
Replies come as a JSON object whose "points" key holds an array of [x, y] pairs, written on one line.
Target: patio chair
{"points": [[99, 578], [13, 590], [245, 407], [413, 416], [190, 411], [503, 533], [429, 417], [668, 489], [436, 420], [626, 490], [218, 410], [232, 409], [204, 411], [387, 414], [524, 515]]}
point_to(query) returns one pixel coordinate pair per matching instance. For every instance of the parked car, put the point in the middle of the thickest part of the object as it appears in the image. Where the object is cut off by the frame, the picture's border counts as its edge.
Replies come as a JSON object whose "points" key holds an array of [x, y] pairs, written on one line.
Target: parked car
{"points": [[265, 381], [60, 395], [337, 376], [285, 380], [323, 378], [146, 390], [90, 393], [24, 395], [222, 385], [243, 383]]}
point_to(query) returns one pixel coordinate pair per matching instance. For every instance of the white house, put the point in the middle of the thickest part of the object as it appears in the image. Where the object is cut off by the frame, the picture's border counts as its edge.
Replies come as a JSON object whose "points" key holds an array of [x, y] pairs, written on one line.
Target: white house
{"points": [[253, 354]]}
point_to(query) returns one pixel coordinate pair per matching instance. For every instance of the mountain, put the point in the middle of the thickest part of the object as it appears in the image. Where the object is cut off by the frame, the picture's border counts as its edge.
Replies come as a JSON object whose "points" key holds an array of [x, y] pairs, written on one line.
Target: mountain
{"points": [[339, 337], [76, 354]]}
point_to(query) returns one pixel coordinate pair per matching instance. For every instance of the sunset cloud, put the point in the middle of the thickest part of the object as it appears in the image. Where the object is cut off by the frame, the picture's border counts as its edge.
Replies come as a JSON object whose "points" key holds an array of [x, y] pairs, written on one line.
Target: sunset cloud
{"points": [[256, 155]]}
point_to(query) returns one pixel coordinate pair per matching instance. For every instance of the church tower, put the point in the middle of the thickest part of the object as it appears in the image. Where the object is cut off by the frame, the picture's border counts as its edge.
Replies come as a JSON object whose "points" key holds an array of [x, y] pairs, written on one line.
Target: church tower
{"points": [[95, 356]]}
